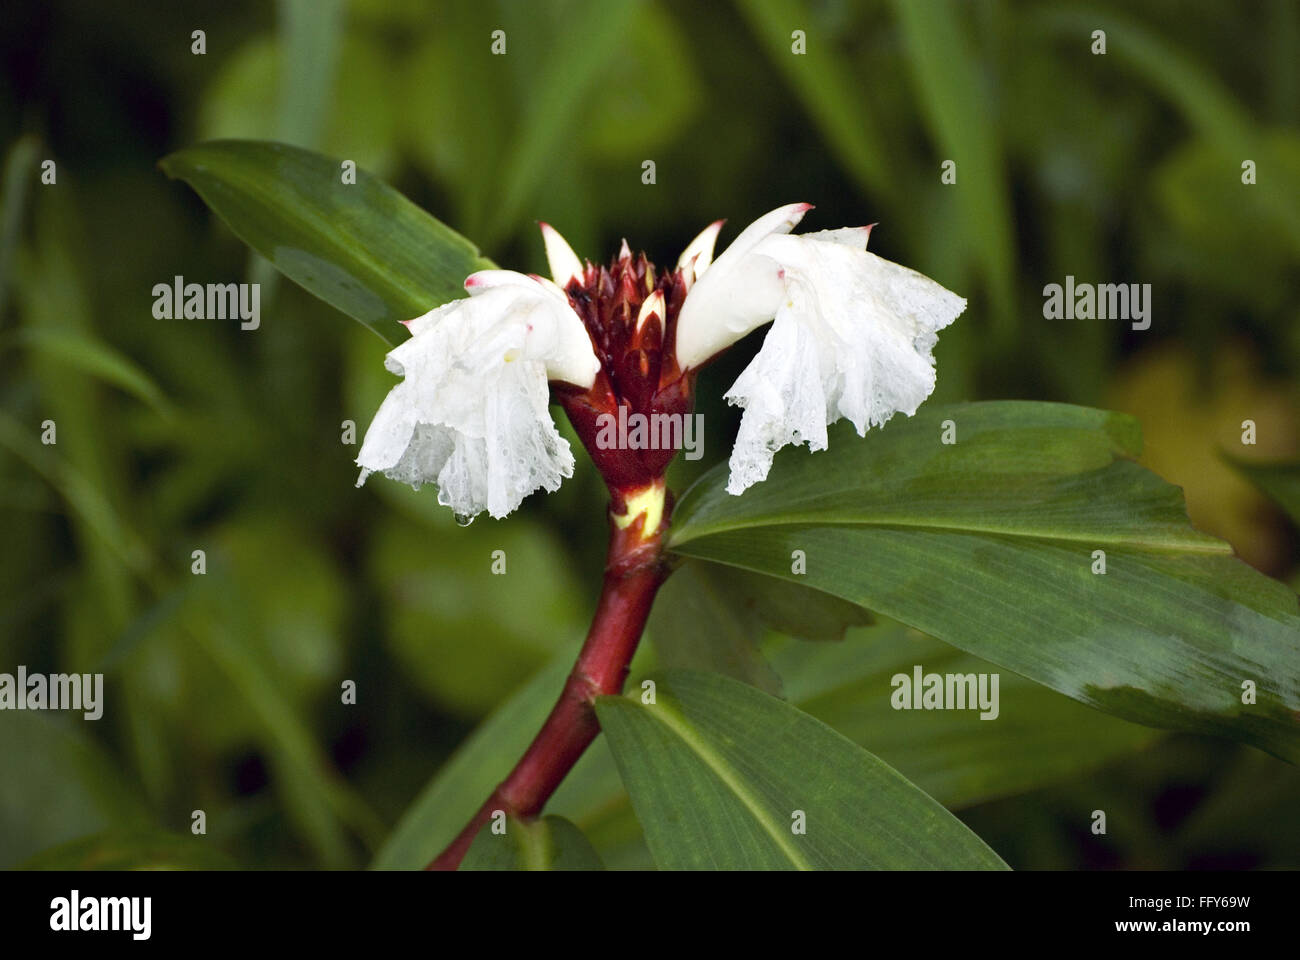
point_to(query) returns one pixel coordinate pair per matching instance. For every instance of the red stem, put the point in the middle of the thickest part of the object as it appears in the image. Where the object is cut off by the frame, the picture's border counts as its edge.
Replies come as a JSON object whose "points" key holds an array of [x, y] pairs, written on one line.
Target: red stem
{"points": [[633, 572]]}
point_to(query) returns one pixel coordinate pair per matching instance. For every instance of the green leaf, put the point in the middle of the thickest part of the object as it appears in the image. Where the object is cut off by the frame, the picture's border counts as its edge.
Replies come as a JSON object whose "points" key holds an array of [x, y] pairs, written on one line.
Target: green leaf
{"points": [[593, 797], [988, 544], [84, 352], [723, 776], [713, 617], [455, 793], [363, 247], [791, 608], [1037, 737], [695, 624], [551, 843], [1281, 481]]}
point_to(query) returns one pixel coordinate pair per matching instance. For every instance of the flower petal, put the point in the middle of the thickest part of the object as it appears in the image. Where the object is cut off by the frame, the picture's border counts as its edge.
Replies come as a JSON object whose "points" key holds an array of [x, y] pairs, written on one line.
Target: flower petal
{"points": [[556, 334], [740, 292], [564, 263], [697, 256], [853, 338], [425, 321], [652, 306], [778, 221], [471, 413], [856, 237]]}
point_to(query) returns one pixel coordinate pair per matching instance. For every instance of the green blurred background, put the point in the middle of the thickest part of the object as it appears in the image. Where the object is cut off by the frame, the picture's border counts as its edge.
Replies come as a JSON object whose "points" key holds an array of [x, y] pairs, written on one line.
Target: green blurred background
{"points": [[223, 690]]}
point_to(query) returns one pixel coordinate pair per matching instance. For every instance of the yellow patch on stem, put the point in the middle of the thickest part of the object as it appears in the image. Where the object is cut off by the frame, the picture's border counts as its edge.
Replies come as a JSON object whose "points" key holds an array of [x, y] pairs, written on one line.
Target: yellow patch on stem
{"points": [[648, 501]]}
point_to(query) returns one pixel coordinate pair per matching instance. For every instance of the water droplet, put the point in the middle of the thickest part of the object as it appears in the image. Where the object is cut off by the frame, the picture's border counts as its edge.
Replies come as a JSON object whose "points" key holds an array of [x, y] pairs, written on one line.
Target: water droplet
{"points": [[463, 520]]}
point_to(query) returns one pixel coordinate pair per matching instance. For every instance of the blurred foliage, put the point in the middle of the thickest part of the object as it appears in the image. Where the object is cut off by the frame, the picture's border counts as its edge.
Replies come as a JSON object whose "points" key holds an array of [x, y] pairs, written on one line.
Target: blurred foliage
{"points": [[224, 691]]}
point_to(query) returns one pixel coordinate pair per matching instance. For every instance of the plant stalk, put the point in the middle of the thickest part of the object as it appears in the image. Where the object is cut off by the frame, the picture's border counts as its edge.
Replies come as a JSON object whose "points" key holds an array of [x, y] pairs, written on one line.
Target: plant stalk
{"points": [[634, 570]]}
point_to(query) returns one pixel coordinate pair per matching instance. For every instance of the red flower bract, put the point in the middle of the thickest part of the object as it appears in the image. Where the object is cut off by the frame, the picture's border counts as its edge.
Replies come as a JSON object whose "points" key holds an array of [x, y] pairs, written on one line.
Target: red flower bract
{"points": [[638, 363]]}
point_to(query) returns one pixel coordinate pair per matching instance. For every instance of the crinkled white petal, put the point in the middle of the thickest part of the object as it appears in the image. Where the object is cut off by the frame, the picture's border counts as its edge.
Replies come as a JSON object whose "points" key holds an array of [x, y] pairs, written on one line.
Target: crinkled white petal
{"points": [[471, 412], [852, 338], [740, 291]]}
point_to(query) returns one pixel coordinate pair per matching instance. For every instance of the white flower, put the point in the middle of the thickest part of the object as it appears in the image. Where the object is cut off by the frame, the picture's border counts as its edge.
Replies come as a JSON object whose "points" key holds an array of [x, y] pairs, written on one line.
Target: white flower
{"points": [[471, 413], [852, 336]]}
